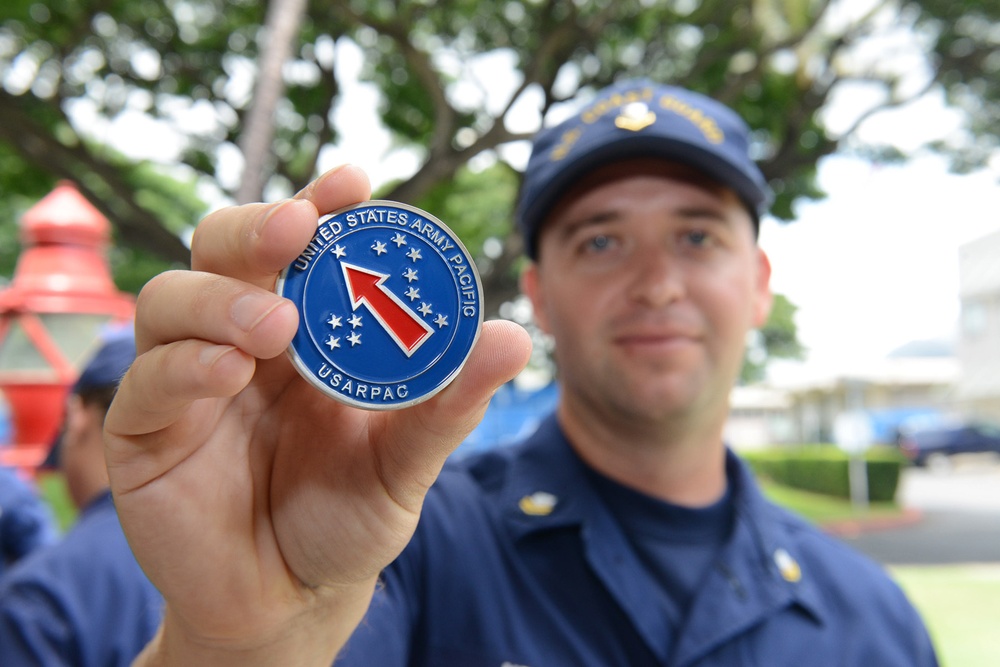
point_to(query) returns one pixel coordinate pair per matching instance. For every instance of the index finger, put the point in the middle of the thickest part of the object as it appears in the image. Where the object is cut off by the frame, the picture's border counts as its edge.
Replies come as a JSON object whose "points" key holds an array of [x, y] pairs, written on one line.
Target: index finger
{"points": [[255, 242]]}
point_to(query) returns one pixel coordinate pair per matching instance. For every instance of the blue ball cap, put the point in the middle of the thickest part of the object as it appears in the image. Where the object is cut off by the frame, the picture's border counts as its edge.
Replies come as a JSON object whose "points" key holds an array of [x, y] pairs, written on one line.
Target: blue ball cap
{"points": [[105, 369], [639, 118], [109, 363]]}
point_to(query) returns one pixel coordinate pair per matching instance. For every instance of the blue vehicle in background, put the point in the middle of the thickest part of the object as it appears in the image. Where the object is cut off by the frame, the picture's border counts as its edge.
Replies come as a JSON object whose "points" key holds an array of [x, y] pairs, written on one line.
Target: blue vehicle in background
{"points": [[930, 442]]}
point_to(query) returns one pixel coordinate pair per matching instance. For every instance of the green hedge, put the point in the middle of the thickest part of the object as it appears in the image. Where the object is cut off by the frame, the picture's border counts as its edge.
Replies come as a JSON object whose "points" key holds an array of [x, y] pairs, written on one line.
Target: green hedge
{"points": [[824, 469]]}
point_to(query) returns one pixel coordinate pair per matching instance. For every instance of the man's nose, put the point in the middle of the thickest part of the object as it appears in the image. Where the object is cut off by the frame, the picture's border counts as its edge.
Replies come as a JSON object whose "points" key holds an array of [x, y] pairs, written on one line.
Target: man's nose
{"points": [[657, 278]]}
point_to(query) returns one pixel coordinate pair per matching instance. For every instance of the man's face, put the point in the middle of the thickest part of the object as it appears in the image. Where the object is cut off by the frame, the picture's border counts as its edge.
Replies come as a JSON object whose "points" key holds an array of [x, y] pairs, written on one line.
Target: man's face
{"points": [[648, 279]]}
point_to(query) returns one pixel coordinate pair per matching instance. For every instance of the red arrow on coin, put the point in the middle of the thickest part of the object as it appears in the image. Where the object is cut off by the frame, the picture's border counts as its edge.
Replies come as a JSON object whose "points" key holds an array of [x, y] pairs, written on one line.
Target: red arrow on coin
{"points": [[365, 287]]}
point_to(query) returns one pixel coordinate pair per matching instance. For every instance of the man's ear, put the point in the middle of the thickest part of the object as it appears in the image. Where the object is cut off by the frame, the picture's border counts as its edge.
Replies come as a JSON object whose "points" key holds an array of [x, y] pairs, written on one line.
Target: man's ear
{"points": [[81, 419], [75, 420], [530, 288], [764, 297]]}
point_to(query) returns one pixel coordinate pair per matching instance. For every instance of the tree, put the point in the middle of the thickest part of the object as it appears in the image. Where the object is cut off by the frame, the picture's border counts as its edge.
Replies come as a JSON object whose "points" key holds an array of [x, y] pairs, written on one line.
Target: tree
{"points": [[193, 64], [777, 339]]}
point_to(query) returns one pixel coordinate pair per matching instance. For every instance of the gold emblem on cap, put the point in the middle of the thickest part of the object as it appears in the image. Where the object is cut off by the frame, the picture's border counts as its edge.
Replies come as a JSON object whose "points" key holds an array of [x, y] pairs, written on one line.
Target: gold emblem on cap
{"points": [[538, 503], [635, 116], [787, 566]]}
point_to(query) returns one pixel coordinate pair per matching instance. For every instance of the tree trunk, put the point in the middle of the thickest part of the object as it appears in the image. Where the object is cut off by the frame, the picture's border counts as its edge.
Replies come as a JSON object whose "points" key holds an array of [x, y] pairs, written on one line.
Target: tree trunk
{"points": [[281, 30]]}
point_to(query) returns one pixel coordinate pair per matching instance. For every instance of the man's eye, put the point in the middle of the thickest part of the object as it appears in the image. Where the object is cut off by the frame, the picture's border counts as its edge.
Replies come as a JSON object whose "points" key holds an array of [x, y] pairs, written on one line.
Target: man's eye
{"points": [[697, 238], [599, 243]]}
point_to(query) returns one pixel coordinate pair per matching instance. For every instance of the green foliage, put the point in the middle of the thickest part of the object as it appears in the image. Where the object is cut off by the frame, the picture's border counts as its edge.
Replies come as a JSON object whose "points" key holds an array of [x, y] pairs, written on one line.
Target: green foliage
{"points": [[824, 469], [132, 268], [477, 205], [967, 49], [777, 339], [21, 185], [192, 65]]}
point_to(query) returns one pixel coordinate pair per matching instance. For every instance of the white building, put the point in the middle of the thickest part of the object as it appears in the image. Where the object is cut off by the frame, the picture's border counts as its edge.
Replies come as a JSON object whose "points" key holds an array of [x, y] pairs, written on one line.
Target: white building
{"points": [[979, 335], [802, 406]]}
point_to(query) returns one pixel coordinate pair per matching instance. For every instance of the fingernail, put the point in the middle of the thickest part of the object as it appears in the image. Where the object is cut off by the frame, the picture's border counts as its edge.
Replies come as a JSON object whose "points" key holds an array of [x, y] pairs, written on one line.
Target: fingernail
{"points": [[249, 309], [262, 221], [307, 192], [212, 353]]}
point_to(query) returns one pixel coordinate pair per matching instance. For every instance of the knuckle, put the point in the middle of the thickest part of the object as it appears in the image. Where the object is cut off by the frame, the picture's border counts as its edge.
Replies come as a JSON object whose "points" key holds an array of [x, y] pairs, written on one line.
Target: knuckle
{"points": [[153, 289]]}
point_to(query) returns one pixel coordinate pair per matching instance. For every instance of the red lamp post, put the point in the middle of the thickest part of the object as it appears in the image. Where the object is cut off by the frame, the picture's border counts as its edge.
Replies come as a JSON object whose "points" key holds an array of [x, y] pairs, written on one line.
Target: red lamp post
{"points": [[51, 315]]}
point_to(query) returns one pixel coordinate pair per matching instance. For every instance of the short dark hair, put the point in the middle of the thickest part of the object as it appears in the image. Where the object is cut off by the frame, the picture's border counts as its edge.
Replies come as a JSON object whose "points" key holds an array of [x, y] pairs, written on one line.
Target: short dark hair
{"points": [[98, 396]]}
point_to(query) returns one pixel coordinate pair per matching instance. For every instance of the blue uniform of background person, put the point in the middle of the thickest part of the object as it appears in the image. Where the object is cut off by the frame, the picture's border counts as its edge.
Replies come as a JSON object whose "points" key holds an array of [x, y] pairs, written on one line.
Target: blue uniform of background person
{"points": [[84, 601], [526, 556], [26, 523]]}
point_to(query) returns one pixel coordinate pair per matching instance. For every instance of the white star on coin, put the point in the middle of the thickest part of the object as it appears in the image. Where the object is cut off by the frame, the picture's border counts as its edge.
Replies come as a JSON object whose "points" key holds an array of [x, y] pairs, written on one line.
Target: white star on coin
{"points": [[441, 320], [355, 321], [339, 251], [334, 321], [355, 338], [379, 248], [410, 275], [332, 343], [414, 254], [425, 309], [399, 239], [413, 293]]}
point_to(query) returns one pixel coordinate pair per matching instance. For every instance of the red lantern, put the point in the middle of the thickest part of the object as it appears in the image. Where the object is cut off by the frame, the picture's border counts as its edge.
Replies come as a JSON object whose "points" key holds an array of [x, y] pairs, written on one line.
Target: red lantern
{"points": [[51, 315]]}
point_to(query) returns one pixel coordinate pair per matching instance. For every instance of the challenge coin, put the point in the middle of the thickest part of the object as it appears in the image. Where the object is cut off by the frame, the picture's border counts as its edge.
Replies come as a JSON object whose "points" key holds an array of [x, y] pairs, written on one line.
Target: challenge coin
{"points": [[390, 305]]}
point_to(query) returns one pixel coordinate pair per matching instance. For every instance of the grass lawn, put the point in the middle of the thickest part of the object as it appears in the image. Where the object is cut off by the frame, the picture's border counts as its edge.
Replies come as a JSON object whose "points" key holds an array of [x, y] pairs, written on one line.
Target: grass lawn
{"points": [[52, 486], [961, 607], [819, 508], [960, 604]]}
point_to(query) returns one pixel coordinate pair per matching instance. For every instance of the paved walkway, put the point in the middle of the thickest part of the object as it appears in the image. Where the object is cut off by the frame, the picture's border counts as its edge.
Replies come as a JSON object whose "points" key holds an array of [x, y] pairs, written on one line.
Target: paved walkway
{"points": [[952, 516]]}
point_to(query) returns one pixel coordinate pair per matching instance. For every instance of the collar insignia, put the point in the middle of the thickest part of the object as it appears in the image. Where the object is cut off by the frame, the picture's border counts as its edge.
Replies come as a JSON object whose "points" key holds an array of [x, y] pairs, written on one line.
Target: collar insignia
{"points": [[538, 503], [787, 566]]}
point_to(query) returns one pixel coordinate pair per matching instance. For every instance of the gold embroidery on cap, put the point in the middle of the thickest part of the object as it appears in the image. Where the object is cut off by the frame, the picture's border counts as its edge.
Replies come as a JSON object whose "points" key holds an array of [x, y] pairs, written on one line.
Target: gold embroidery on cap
{"points": [[707, 125], [635, 117], [613, 102], [566, 142]]}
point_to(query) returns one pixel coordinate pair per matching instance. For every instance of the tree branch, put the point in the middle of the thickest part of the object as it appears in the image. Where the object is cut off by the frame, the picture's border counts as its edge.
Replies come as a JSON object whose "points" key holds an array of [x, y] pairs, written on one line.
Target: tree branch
{"points": [[135, 225]]}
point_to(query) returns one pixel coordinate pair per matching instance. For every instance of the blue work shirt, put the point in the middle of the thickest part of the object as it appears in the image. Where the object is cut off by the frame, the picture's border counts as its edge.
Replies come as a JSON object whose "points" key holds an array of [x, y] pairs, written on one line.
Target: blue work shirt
{"points": [[83, 601], [517, 563], [26, 522]]}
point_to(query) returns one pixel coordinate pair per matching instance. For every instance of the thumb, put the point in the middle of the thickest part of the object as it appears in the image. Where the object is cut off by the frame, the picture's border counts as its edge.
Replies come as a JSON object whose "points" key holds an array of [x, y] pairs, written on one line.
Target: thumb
{"points": [[423, 436]]}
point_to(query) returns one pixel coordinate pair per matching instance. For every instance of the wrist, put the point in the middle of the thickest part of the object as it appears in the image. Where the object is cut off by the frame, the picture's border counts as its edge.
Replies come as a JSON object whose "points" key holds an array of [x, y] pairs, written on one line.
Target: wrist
{"points": [[311, 637]]}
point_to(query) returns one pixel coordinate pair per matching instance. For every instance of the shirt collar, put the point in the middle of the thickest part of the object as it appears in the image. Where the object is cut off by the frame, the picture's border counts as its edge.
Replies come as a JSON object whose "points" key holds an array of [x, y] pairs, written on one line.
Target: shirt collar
{"points": [[548, 488]]}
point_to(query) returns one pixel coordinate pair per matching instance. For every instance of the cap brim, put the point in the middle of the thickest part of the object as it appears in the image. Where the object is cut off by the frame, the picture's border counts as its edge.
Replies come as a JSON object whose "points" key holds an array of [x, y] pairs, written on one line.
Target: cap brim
{"points": [[640, 146]]}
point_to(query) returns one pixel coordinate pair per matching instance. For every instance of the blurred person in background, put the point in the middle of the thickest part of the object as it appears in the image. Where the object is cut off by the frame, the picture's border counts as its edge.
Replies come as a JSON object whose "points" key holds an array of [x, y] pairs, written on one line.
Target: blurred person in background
{"points": [[83, 601], [26, 521]]}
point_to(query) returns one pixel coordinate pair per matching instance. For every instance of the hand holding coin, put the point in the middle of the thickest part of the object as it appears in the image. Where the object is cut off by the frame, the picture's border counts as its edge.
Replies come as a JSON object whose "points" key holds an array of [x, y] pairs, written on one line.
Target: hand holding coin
{"points": [[261, 509]]}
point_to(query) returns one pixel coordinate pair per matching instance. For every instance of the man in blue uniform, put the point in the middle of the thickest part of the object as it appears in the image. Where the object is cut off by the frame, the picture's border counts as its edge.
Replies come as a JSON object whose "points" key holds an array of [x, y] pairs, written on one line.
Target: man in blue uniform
{"points": [[83, 601], [622, 533]]}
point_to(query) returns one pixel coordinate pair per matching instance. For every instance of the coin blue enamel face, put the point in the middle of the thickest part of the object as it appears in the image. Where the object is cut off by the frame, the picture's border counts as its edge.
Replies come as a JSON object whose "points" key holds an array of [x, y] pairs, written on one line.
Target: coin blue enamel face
{"points": [[390, 305]]}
